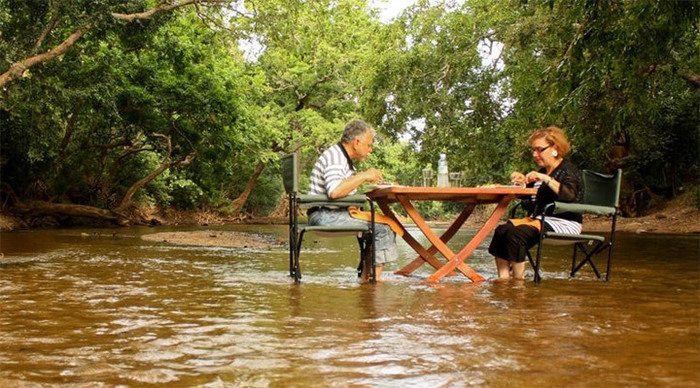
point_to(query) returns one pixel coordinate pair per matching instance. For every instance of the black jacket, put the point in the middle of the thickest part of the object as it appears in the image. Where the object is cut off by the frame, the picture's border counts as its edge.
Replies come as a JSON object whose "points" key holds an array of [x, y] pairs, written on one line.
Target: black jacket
{"points": [[571, 190]]}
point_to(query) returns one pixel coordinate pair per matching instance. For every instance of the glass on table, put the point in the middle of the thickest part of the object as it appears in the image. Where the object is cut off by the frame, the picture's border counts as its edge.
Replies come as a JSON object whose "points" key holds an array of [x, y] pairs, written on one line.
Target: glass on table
{"points": [[427, 177], [456, 179]]}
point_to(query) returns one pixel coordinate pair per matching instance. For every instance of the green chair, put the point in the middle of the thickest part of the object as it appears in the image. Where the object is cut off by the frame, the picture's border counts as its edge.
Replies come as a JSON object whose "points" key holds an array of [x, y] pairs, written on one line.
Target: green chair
{"points": [[601, 196], [299, 201]]}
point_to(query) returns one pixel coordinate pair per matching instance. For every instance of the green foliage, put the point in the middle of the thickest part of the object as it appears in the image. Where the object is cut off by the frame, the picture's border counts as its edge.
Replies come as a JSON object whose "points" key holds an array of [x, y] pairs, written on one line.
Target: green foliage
{"points": [[185, 194], [83, 127], [431, 87], [613, 74]]}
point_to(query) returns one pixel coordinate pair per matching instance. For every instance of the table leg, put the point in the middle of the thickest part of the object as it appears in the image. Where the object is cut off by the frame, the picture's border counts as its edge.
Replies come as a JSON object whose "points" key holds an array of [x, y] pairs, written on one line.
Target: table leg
{"points": [[412, 242], [436, 242], [463, 254], [449, 233]]}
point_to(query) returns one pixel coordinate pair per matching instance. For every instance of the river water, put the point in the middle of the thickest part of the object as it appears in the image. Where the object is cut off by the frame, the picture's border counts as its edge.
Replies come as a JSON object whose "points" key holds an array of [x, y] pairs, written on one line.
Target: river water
{"points": [[85, 307]]}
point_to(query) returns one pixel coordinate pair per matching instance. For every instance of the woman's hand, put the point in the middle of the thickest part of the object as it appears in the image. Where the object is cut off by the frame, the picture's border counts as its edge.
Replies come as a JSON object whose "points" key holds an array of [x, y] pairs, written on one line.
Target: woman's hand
{"points": [[517, 178], [534, 176]]}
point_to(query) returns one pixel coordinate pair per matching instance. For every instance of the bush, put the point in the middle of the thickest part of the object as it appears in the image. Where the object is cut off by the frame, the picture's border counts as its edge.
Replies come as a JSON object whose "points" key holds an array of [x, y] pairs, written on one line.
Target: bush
{"points": [[185, 194]]}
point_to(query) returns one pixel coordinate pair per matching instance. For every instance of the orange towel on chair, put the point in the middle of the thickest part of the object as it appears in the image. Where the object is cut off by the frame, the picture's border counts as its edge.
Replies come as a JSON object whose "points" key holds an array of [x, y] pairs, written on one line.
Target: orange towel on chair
{"points": [[378, 218], [529, 221]]}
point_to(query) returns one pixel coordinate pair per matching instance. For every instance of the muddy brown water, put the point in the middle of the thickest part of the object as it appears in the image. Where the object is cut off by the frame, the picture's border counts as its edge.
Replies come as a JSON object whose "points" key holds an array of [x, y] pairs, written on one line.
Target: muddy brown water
{"points": [[79, 308]]}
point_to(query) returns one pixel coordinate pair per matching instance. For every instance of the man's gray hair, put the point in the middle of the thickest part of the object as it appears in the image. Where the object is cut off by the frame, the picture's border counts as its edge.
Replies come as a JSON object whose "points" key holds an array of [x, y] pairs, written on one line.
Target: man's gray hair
{"points": [[354, 129]]}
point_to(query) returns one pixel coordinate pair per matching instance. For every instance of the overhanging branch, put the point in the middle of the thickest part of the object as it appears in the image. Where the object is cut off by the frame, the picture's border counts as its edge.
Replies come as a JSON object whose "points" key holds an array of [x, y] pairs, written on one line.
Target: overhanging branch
{"points": [[18, 68]]}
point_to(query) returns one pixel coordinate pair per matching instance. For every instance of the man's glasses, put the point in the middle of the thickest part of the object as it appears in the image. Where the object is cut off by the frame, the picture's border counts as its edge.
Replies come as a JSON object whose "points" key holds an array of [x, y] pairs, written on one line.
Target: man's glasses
{"points": [[539, 150]]}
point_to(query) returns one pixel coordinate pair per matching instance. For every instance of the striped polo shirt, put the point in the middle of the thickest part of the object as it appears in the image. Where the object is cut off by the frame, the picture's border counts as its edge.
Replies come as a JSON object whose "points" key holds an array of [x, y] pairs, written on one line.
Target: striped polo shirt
{"points": [[332, 167]]}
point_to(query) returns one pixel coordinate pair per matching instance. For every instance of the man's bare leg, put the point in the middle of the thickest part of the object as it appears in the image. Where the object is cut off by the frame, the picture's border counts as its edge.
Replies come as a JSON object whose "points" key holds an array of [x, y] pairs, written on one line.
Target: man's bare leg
{"points": [[378, 269]]}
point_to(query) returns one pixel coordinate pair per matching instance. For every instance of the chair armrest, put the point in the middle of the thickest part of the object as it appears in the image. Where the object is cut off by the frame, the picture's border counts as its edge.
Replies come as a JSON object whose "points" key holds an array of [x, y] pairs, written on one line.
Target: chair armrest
{"points": [[520, 204], [581, 208], [311, 200], [515, 209]]}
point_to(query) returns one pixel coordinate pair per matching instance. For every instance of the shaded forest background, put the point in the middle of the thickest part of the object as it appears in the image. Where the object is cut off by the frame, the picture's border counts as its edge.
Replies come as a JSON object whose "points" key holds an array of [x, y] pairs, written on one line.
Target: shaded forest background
{"points": [[110, 107]]}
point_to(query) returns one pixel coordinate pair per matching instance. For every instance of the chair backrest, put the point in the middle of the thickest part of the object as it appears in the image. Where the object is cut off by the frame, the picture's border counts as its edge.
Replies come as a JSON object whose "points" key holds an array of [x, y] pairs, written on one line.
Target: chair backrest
{"points": [[290, 172], [601, 189]]}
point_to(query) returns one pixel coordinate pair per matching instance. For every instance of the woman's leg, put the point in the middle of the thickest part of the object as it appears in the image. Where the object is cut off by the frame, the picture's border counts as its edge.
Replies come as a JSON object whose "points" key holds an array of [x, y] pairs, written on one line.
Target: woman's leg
{"points": [[509, 246], [518, 270], [503, 267]]}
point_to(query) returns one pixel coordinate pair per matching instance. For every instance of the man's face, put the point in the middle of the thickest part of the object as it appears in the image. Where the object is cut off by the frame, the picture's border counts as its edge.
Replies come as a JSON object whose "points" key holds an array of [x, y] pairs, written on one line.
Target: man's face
{"points": [[363, 146]]}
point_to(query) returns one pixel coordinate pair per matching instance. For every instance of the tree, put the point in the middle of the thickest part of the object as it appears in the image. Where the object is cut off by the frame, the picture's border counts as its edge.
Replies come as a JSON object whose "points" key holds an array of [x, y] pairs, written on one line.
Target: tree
{"points": [[616, 75], [430, 85], [620, 77], [69, 21], [314, 57], [139, 101]]}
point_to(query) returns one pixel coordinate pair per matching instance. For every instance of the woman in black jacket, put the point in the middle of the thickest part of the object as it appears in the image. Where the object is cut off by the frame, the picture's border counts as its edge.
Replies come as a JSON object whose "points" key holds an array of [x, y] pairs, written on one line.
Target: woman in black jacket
{"points": [[557, 180]]}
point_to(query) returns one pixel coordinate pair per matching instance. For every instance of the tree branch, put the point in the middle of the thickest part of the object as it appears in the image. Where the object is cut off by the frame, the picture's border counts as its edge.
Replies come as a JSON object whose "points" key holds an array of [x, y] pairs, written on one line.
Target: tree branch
{"points": [[693, 79], [239, 202], [163, 7], [52, 23], [164, 165], [18, 68]]}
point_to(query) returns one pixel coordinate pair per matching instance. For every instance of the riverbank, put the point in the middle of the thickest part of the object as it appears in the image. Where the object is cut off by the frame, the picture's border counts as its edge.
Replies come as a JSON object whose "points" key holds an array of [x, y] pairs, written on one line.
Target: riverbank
{"points": [[677, 216]]}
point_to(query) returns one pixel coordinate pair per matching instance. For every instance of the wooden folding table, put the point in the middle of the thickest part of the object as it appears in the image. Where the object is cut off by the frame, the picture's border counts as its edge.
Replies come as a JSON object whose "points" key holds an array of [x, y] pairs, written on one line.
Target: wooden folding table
{"points": [[470, 196]]}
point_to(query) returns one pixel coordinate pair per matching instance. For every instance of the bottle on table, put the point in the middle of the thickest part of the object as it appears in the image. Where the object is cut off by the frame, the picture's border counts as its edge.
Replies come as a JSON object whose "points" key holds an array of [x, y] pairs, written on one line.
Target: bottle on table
{"points": [[443, 179]]}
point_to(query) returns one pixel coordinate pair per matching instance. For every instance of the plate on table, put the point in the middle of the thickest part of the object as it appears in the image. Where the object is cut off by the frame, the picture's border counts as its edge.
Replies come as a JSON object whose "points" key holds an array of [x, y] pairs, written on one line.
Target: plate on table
{"points": [[382, 186]]}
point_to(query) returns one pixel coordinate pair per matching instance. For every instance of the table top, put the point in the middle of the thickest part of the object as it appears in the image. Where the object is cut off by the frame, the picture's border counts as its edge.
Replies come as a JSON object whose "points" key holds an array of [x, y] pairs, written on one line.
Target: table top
{"points": [[457, 194]]}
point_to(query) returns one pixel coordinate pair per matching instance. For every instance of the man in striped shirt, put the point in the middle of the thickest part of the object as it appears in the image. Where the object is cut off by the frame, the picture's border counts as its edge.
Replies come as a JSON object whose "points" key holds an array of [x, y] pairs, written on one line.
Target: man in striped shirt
{"points": [[334, 175]]}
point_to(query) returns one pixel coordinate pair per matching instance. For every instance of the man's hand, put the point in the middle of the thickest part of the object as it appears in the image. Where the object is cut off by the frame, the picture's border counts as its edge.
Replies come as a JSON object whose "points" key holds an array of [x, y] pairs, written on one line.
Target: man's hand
{"points": [[372, 175], [353, 182]]}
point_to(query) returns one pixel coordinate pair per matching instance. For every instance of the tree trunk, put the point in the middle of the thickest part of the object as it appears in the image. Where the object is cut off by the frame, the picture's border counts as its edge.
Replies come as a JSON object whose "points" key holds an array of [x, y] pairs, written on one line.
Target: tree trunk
{"points": [[282, 210], [693, 79], [43, 208], [239, 202], [164, 165]]}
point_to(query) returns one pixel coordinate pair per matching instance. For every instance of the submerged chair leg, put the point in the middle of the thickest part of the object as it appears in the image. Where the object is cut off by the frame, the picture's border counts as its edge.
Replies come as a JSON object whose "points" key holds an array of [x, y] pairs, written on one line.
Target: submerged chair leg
{"points": [[588, 258], [573, 260], [366, 257], [361, 264], [292, 251], [372, 258], [607, 267], [297, 252], [610, 248], [537, 276]]}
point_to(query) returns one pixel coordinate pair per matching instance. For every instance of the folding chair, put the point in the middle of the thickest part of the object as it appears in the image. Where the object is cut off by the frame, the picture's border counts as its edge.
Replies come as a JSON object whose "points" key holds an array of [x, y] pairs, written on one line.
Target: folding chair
{"points": [[601, 196], [298, 201]]}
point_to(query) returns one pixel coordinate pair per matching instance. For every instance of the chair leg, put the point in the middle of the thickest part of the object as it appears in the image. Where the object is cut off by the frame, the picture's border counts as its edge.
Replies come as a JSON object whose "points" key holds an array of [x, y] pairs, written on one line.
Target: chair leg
{"points": [[537, 278], [292, 251], [371, 257], [573, 260], [610, 248], [607, 267], [361, 265], [297, 252], [599, 247]]}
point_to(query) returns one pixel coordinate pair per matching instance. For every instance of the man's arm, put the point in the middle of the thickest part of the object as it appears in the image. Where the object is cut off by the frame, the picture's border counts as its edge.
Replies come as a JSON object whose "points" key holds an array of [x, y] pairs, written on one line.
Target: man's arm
{"points": [[353, 182]]}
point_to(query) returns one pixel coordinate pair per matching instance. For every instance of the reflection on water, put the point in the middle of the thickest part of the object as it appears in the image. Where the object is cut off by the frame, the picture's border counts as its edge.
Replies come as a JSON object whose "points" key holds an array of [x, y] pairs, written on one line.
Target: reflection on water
{"points": [[80, 309]]}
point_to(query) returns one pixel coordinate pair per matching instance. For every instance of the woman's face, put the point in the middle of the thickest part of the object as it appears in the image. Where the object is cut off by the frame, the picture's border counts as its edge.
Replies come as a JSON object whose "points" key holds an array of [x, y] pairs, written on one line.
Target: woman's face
{"points": [[542, 152]]}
